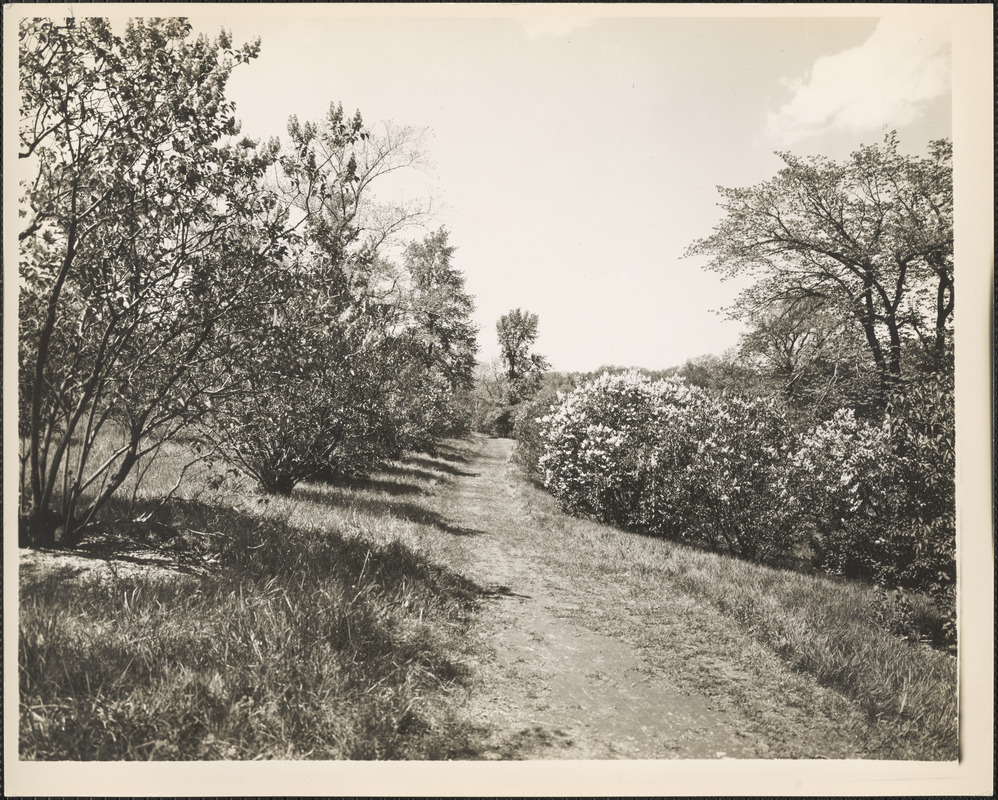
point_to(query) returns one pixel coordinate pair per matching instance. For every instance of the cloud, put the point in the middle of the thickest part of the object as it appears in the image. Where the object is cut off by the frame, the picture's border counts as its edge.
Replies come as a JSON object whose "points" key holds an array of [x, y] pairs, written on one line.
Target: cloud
{"points": [[887, 80]]}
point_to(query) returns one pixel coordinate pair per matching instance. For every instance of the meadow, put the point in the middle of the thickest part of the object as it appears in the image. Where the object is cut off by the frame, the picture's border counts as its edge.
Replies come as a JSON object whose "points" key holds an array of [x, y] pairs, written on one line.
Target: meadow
{"points": [[231, 626]]}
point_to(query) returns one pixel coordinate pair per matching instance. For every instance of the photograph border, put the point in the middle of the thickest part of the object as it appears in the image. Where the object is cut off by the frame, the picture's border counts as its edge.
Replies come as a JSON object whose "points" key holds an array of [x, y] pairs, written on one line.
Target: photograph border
{"points": [[973, 137]]}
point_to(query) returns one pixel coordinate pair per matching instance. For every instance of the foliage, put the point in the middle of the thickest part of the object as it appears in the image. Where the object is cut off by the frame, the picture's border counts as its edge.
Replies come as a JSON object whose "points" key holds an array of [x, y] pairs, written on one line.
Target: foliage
{"points": [[666, 458], [731, 473], [528, 416], [439, 339], [173, 276], [517, 331], [509, 380], [813, 357], [871, 238], [349, 359], [883, 497], [142, 231], [727, 372], [296, 381]]}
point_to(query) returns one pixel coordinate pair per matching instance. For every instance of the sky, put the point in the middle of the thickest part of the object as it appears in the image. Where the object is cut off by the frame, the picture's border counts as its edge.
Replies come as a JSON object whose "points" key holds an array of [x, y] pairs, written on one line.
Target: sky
{"points": [[576, 158]]}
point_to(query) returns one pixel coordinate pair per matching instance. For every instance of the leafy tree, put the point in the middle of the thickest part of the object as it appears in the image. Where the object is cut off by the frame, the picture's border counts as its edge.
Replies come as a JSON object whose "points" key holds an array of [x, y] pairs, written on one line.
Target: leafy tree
{"points": [[141, 232], [486, 400], [439, 311], [871, 237], [724, 373], [510, 379], [296, 380], [436, 340], [813, 356], [517, 331], [329, 169], [350, 358]]}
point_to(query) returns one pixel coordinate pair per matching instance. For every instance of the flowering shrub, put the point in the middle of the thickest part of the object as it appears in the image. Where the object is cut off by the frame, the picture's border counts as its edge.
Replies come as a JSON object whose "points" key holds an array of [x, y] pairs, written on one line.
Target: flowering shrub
{"points": [[527, 432], [598, 444], [666, 458], [732, 474], [838, 482], [740, 499], [882, 498]]}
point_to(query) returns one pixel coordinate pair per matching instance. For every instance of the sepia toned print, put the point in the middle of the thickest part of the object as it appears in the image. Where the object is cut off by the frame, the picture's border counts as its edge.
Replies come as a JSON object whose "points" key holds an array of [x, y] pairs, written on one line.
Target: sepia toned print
{"points": [[533, 388]]}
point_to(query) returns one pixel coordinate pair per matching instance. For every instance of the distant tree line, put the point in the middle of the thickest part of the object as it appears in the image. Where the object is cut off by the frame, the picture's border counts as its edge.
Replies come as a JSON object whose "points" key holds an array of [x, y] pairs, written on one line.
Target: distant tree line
{"points": [[177, 279]]}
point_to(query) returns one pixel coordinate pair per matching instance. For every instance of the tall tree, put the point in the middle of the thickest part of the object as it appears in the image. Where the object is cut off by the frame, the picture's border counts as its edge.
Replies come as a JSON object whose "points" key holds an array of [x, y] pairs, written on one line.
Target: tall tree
{"points": [[143, 227], [325, 376], [871, 237], [517, 331], [440, 311]]}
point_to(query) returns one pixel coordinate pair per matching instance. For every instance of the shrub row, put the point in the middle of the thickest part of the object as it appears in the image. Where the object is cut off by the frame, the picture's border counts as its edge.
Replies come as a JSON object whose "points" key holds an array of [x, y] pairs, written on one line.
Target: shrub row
{"points": [[732, 474]]}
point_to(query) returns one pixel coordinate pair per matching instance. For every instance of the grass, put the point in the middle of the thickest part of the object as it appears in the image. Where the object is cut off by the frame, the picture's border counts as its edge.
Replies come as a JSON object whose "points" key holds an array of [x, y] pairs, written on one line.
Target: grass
{"points": [[692, 611], [307, 627], [328, 625]]}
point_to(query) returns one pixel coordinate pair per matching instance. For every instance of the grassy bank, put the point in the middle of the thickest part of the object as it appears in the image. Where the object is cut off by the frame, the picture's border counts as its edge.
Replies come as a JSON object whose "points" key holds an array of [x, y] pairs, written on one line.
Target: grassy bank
{"points": [[227, 627], [761, 641]]}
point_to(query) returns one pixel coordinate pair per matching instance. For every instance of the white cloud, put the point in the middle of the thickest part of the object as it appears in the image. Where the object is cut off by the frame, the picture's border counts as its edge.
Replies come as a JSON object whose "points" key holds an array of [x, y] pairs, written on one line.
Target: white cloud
{"points": [[887, 80]]}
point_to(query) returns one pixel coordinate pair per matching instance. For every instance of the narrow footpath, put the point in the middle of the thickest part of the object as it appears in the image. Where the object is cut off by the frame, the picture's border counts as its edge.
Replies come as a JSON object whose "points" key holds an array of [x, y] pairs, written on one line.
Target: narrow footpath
{"points": [[550, 686]]}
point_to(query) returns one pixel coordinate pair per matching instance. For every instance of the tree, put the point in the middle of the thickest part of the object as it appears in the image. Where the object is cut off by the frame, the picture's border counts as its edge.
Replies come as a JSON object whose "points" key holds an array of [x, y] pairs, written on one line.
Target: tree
{"points": [[439, 319], [436, 341], [517, 331], [350, 358], [329, 169], [871, 238], [142, 230], [812, 355], [724, 373]]}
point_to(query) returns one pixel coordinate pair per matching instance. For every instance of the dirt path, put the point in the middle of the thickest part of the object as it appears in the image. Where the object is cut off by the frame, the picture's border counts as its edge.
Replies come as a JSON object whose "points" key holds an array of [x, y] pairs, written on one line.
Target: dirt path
{"points": [[551, 687]]}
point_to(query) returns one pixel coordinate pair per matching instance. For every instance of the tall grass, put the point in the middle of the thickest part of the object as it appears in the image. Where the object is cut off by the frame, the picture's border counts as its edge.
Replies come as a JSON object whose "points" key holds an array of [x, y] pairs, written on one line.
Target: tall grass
{"points": [[825, 629], [308, 629]]}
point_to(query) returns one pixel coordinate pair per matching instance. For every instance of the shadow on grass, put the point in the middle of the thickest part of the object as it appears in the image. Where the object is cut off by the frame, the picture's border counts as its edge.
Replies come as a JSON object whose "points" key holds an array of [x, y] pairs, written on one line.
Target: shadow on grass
{"points": [[410, 512], [429, 463], [117, 552], [409, 472], [393, 488], [423, 516], [452, 456], [387, 617]]}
